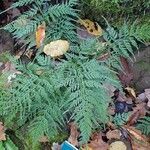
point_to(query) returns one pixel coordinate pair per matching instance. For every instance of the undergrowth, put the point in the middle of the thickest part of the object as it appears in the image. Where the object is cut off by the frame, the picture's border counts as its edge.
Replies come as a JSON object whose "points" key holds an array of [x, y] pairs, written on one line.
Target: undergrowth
{"points": [[46, 96]]}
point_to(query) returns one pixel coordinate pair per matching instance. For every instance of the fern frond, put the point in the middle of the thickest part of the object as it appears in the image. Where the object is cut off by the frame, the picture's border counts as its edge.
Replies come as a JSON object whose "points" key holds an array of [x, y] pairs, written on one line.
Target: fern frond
{"points": [[121, 119], [144, 125]]}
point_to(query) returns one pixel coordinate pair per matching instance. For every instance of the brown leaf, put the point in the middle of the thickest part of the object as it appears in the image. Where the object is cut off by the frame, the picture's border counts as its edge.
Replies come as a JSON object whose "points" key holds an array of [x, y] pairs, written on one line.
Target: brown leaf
{"points": [[136, 146], [74, 134], [2, 132], [138, 112], [9, 67], [113, 134], [96, 143], [137, 137], [126, 75]]}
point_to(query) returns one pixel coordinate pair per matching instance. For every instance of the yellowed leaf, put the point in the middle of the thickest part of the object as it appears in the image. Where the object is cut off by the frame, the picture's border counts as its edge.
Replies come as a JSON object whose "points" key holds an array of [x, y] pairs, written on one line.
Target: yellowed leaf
{"points": [[93, 28], [56, 48], [117, 145], [131, 91], [40, 35]]}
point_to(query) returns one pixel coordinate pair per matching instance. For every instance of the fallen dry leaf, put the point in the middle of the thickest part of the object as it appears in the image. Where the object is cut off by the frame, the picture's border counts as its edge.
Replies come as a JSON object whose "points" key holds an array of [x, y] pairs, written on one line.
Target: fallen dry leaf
{"points": [[56, 48], [137, 137], [2, 132], [74, 134], [113, 134], [138, 112], [117, 145], [137, 146], [131, 91], [96, 143], [10, 68], [125, 76], [40, 35], [93, 28]]}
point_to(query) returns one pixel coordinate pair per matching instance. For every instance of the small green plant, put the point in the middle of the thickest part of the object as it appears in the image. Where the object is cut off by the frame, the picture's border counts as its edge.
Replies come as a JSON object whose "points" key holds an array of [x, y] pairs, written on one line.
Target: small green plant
{"points": [[144, 125], [121, 119]]}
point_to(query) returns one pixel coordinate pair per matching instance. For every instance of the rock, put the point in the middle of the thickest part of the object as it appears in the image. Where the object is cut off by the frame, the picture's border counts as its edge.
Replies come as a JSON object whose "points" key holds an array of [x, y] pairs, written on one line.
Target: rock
{"points": [[141, 69], [6, 41]]}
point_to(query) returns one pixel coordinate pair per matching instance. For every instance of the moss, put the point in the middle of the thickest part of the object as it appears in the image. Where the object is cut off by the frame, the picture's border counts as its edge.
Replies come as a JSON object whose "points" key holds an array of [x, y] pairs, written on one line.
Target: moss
{"points": [[115, 11]]}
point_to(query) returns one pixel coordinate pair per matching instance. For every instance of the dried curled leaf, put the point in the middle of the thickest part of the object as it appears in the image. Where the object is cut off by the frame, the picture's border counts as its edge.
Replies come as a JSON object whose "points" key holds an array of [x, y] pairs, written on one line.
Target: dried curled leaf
{"points": [[2, 133], [137, 137], [93, 28], [96, 143], [74, 134], [138, 112], [131, 91], [40, 35], [56, 48]]}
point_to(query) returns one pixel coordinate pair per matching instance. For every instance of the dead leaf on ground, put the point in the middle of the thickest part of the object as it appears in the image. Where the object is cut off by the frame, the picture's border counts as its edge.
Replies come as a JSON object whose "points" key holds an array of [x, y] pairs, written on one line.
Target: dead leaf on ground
{"points": [[56, 48], [93, 28], [40, 35], [131, 91], [138, 112], [2, 132], [113, 134], [137, 138], [74, 134], [96, 143], [117, 145], [10, 68]]}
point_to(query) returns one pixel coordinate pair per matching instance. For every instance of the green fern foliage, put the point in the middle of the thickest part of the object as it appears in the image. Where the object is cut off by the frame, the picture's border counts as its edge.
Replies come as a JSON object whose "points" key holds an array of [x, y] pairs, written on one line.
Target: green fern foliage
{"points": [[144, 125], [35, 98], [121, 119], [88, 99], [47, 95], [59, 19], [123, 41]]}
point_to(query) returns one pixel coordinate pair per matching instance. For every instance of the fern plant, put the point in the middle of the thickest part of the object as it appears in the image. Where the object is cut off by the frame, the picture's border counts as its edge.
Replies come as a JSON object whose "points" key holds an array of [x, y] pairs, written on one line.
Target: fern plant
{"points": [[59, 20], [88, 98], [47, 96], [35, 98], [144, 124]]}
